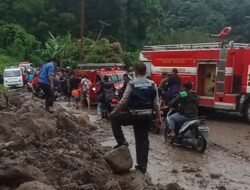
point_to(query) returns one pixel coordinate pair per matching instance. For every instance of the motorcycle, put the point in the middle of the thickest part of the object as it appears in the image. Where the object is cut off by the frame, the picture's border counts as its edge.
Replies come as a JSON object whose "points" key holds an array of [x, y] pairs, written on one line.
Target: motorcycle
{"points": [[193, 134]]}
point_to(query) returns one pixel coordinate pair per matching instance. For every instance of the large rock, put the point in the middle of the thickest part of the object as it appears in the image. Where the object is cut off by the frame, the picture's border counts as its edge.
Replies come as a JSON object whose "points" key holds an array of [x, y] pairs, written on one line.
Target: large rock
{"points": [[120, 159], [65, 122], [84, 120], [34, 185], [112, 185], [13, 176], [16, 101]]}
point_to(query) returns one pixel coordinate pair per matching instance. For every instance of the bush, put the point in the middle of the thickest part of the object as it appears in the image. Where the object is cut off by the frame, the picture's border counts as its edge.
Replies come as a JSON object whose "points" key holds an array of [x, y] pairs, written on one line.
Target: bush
{"points": [[6, 61], [17, 42]]}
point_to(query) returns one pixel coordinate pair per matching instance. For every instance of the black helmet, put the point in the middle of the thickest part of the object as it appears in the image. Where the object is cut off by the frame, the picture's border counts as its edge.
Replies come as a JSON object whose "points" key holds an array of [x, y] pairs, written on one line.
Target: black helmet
{"points": [[188, 85]]}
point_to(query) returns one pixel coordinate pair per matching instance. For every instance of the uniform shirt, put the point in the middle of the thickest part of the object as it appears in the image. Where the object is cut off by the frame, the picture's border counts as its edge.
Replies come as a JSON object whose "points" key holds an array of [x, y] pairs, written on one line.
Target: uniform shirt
{"points": [[47, 70], [127, 93]]}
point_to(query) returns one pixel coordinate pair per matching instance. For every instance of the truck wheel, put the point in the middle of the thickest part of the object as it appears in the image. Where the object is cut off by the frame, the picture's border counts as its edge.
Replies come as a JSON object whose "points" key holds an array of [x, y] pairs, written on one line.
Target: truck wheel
{"points": [[247, 113]]}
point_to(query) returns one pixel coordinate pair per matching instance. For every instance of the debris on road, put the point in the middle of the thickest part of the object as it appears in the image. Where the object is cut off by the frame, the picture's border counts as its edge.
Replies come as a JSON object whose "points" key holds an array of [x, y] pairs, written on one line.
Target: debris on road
{"points": [[33, 155]]}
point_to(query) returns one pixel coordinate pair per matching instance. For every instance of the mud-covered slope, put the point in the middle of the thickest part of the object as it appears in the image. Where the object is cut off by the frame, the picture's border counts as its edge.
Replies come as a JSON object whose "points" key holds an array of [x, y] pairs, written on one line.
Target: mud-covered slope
{"points": [[55, 151]]}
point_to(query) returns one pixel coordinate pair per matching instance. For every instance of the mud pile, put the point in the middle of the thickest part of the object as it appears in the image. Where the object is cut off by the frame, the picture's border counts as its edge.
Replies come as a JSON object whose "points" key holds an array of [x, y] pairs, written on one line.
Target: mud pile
{"points": [[46, 151]]}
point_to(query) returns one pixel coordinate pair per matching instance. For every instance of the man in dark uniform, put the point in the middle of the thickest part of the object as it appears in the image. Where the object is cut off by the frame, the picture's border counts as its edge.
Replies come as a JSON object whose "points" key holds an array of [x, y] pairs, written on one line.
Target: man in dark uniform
{"points": [[139, 101]]}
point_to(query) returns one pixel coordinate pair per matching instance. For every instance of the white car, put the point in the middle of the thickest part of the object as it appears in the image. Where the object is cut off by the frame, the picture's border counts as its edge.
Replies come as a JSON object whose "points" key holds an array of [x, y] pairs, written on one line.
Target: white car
{"points": [[12, 77]]}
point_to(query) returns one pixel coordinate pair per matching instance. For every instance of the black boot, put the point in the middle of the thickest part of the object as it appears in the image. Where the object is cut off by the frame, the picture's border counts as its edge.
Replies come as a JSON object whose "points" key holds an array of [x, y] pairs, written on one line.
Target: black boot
{"points": [[143, 170], [122, 144]]}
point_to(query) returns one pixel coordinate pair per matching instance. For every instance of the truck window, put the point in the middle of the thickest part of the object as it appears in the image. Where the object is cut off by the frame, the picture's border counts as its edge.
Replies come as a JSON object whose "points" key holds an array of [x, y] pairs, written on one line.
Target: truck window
{"points": [[12, 73], [114, 78]]}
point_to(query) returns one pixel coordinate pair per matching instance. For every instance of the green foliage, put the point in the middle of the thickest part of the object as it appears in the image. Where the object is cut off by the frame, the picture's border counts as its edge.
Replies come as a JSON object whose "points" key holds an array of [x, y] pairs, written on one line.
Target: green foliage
{"points": [[103, 52], [17, 42], [6, 61], [61, 47], [133, 23], [130, 58]]}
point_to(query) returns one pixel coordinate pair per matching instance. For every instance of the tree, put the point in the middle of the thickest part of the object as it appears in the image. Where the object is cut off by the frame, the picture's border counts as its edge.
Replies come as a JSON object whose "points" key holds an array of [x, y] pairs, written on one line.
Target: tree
{"points": [[17, 42]]}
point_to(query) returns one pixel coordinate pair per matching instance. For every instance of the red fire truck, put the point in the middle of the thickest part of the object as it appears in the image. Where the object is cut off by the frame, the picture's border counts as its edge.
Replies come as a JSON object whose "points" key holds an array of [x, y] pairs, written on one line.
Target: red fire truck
{"points": [[96, 72], [220, 72]]}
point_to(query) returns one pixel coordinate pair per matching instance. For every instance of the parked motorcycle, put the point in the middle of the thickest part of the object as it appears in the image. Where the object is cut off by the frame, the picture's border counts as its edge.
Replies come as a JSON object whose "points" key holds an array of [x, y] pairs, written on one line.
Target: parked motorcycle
{"points": [[193, 134]]}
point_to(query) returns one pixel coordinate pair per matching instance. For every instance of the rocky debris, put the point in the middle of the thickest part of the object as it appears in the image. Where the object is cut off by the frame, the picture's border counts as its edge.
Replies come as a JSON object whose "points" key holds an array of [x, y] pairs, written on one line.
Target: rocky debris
{"points": [[135, 180], [120, 159], [18, 174], [34, 185], [16, 100], [84, 120], [173, 186], [34, 156], [188, 169], [3, 100], [64, 122], [112, 185], [215, 176], [221, 187]]}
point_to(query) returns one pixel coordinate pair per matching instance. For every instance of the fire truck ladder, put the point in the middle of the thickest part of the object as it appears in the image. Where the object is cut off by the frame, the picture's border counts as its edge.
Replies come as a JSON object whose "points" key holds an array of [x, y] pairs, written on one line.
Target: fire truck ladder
{"points": [[213, 45], [221, 70]]}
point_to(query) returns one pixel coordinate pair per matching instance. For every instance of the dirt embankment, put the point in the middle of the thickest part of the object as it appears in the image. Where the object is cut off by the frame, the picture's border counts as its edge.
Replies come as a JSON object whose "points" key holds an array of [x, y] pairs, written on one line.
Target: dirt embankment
{"points": [[45, 151]]}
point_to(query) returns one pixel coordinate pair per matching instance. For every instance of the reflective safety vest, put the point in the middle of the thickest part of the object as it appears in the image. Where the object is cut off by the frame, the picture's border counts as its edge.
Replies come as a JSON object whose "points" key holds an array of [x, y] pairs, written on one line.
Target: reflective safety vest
{"points": [[142, 95]]}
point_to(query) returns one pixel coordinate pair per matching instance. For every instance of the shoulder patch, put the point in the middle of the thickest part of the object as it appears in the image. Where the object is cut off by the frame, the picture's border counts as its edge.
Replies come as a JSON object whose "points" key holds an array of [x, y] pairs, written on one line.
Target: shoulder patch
{"points": [[183, 94]]}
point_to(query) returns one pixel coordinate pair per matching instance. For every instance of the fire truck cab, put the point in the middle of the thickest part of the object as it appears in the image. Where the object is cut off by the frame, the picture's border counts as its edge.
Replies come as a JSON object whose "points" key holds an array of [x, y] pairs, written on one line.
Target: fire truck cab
{"points": [[96, 73], [220, 72]]}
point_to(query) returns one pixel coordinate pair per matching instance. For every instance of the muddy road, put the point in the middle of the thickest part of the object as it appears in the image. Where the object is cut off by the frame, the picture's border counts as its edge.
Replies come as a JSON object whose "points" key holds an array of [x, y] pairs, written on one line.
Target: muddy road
{"points": [[226, 164]]}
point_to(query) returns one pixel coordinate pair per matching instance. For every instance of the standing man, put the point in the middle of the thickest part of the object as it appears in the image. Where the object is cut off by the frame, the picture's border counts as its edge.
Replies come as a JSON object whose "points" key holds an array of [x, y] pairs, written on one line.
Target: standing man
{"points": [[173, 86], [46, 82], [135, 108], [86, 85], [107, 93]]}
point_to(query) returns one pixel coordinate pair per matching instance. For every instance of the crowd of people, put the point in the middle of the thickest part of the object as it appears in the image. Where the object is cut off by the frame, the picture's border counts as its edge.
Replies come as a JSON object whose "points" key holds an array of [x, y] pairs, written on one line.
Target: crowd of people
{"points": [[139, 98], [52, 82]]}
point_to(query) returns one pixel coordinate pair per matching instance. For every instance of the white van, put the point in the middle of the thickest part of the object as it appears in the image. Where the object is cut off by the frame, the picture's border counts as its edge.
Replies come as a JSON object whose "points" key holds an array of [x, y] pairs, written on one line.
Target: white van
{"points": [[12, 77]]}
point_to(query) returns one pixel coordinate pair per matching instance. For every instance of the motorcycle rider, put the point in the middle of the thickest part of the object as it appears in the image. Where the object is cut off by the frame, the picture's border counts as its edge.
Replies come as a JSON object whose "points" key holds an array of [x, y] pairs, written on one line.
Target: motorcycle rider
{"points": [[187, 107], [136, 108], [106, 92]]}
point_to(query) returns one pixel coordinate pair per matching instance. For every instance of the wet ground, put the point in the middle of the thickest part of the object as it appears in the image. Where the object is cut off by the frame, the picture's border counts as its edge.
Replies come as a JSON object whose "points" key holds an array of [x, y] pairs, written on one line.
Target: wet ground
{"points": [[225, 164]]}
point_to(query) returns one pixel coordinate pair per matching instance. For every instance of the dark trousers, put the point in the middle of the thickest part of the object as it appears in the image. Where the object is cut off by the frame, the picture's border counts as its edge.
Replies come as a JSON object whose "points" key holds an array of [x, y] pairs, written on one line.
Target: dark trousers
{"points": [[141, 126], [49, 94]]}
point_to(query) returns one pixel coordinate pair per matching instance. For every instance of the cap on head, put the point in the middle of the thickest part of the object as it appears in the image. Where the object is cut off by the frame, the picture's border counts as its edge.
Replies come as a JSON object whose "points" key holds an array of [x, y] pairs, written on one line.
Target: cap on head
{"points": [[188, 85], [140, 69], [56, 61], [175, 71]]}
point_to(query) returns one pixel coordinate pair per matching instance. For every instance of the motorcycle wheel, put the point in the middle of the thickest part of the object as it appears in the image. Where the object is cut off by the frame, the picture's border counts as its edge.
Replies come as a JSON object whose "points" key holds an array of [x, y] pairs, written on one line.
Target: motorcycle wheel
{"points": [[201, 145]]}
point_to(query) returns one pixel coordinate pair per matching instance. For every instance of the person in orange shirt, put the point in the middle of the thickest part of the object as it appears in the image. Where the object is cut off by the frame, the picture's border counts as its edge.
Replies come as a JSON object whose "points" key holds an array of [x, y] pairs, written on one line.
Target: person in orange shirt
{"points": [[77, 96]]}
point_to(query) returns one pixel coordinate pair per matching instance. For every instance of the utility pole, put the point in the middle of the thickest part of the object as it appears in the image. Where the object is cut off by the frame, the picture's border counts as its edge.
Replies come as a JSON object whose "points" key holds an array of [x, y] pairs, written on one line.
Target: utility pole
{"points": [[82, 30], [104, 24]]}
